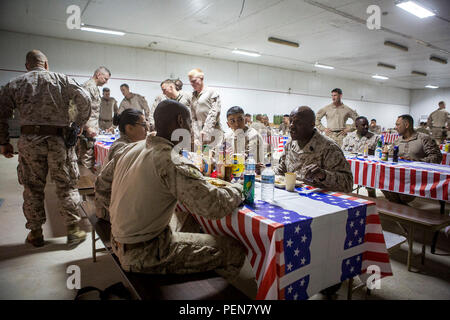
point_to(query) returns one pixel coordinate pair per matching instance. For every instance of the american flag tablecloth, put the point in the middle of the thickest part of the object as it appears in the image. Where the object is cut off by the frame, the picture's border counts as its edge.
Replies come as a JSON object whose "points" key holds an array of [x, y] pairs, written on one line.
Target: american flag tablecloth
{"points": [[101, 148], [303, 243], [389, 137], [426, 180]]}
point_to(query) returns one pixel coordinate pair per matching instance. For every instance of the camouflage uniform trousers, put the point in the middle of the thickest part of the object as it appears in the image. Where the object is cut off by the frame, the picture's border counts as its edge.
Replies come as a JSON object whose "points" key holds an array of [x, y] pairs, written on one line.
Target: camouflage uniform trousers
{"points": [[85, 152], [438, 135], [337, 136], [183, 252], [37, 156]]}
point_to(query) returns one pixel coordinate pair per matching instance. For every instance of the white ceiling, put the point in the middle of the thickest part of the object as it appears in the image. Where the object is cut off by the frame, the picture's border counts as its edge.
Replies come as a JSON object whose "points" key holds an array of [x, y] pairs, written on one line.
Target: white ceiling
{"points": [[332, 32]]}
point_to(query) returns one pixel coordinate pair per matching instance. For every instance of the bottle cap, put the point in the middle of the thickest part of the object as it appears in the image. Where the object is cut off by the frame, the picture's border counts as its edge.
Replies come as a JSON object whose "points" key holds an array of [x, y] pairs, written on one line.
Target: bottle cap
{"points": [[268, 165]]}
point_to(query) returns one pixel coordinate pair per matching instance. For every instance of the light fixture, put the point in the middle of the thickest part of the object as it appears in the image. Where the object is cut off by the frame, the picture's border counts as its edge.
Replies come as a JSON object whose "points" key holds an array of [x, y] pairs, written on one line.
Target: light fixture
{"points": [[419, 73], [437, 59], [385, 65], [285, 42], [318, 65], [379, 77], [395, 45], [246, 53], [431, 86], [415, 9], [100, 30]]}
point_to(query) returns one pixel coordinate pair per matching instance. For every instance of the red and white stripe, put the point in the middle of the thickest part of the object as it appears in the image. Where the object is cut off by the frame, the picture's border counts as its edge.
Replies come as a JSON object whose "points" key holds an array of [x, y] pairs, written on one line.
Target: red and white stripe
{"points": [[418, 182], [101, 152], [445, 158], [390, 137], [375, 251]]}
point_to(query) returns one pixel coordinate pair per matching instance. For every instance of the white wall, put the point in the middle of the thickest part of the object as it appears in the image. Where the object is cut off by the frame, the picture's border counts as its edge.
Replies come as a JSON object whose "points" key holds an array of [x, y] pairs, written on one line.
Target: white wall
{"points": [[257, 88], [425, 101]]}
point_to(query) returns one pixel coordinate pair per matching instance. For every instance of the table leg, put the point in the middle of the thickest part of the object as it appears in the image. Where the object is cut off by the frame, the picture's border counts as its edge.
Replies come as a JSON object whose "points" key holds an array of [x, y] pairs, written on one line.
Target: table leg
{"points": [[433, 243], [410, 246], [442, 206]]}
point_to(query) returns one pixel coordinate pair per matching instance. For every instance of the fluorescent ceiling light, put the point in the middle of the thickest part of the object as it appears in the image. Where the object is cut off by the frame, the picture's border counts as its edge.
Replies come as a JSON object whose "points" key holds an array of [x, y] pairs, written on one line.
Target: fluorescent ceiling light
{"points": [[246, 53], [415, 9], [379, 77], [431, 86], [92, 29], [318, 65]]}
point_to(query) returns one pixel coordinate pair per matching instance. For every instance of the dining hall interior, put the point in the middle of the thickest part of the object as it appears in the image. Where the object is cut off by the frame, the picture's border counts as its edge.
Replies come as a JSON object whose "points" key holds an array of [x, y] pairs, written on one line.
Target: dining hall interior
{"points": [[314, 162]]}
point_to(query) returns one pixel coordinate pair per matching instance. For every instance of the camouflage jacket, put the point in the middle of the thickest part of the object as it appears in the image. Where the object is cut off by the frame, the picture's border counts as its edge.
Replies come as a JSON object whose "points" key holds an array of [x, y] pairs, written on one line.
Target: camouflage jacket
{"points": [[148, 181], [42, 98], [353, 142], [326, 154], [420, 147], [91, 87]]}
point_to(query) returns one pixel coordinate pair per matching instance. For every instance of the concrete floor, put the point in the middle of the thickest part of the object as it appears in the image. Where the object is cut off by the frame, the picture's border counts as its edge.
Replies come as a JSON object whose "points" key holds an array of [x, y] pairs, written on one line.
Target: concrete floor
{"points": [[41, 273]]}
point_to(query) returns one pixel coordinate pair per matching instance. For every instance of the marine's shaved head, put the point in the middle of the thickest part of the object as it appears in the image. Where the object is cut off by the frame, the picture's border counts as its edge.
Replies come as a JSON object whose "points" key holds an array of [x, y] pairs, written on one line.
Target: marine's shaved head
{"points": [[304, 112], [302, 124], [170, 115], [35, 58]]}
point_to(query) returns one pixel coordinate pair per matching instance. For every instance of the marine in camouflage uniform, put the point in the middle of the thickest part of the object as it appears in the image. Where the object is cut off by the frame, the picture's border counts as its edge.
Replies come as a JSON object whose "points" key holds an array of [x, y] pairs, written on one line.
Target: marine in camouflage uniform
{"points": [[317, 155], [86, 143], [148, 181], [205, 108], [417, 147], [134, 101], [356, 141], [337, 115], [108, 107], [42, 99], [438, 122]]}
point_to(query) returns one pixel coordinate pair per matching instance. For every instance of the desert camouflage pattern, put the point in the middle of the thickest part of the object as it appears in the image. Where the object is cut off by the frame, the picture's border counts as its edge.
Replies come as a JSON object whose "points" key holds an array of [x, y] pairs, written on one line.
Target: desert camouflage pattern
{"points": [[205, 112], [183, 97], [326, 154], [107, 109], [336, 120], [375, 129], [247, 141], [420, 147], [91, 87], [42, 98], [354, 142], [143, 238], [437, 122], [135, 102]]}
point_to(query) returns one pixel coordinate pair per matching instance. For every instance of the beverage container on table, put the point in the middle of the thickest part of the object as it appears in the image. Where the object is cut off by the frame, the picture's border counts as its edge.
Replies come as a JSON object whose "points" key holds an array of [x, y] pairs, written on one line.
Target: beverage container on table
{"points": [[249, 180], [221, 166], [267, 184], [395, 158], [290, 179], [385, 153], [366, 150], [378, 150], [238, 165], [228, 172]]}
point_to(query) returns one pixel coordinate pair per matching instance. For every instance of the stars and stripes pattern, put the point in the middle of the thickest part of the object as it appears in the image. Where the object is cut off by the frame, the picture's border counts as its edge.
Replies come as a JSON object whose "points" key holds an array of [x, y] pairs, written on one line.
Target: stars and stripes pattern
{"points": [[101, 147], [282, 140], [389, 137], [421, 179], [278, 241]]}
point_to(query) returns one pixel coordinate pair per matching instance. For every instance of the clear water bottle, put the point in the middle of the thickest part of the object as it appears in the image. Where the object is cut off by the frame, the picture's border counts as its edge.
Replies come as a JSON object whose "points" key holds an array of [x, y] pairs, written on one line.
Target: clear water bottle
{"points": [[267, 184]]}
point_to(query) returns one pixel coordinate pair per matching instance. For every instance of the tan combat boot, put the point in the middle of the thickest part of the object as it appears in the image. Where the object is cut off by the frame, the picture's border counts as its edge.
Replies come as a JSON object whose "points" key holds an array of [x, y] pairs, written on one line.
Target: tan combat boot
{"points": [[74, 235], [35, 237]]}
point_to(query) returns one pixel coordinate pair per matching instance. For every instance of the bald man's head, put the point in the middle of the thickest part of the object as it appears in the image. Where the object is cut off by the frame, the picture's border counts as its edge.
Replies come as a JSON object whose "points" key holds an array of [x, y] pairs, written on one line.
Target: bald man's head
{"points": [[171, 115], [36, 58], [302, 123]]}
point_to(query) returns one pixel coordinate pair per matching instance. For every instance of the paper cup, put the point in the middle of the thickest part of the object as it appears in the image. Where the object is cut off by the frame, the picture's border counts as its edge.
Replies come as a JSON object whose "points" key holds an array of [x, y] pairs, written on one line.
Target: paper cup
{"points": [[290, 178]]}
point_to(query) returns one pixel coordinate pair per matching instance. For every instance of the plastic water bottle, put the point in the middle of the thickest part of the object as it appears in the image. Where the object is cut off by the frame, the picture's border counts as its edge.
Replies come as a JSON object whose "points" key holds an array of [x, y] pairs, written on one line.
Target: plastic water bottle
{"points": [[267, 184], [249, 180]]}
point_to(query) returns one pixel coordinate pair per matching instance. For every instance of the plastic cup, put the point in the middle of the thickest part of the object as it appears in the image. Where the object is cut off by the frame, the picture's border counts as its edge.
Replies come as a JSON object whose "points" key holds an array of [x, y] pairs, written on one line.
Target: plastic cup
{"points": [[290, 178]]}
